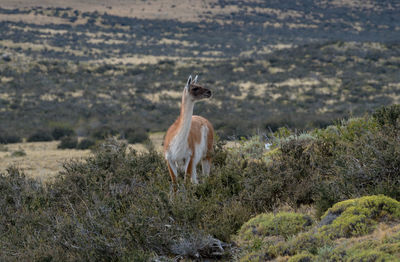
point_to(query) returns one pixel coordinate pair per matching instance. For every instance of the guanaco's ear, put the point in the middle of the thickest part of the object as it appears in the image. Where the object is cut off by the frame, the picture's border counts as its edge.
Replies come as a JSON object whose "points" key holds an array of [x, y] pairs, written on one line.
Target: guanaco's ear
{"points": [[189, 81], [195, 79]]}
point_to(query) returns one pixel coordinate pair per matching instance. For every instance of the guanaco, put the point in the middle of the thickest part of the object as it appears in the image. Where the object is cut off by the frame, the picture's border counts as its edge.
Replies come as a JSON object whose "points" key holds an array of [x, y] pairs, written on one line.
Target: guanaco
{"points": [[190, 138]]}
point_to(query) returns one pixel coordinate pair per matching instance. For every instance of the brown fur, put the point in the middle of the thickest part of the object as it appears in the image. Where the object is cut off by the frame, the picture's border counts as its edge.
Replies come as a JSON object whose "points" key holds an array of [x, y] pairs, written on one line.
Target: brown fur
{"points": [[194, 138]]}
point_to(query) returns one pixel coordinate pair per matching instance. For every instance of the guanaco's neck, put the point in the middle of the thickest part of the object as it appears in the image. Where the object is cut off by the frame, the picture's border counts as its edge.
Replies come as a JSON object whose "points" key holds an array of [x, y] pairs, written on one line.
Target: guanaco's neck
{"points": [[185, 119]]}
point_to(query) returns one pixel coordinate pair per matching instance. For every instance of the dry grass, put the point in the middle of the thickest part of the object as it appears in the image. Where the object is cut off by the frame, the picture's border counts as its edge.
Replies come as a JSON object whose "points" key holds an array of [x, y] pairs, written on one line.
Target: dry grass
{"points": [[38, 47], [43, 160], [183, 10], [156, 97], [379, 234], [33, 19]]}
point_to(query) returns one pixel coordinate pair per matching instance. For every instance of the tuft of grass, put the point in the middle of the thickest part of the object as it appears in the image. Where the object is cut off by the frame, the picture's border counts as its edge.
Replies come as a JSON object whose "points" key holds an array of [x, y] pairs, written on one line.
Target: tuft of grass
{"points": [[18, 153], [3, 148]]}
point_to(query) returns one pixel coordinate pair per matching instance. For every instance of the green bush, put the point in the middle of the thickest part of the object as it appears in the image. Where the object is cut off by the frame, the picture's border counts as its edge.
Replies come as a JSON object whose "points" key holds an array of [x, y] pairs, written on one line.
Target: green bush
{"points": [[283, 224], [388, 116], [267, 232], [303, 257], [40, 136], [68, 142], [263, 237], [357, 217], [288, 174], [360, 159]]}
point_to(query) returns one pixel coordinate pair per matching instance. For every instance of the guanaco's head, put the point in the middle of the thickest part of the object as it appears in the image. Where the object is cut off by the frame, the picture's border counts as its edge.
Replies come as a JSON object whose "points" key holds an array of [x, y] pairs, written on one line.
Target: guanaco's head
{"points": [[195, 91]]}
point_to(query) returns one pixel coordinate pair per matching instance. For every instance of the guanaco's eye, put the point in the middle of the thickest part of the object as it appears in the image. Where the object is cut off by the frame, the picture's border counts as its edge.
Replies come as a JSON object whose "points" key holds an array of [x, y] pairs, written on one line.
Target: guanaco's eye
{"points": [[195, 88]]}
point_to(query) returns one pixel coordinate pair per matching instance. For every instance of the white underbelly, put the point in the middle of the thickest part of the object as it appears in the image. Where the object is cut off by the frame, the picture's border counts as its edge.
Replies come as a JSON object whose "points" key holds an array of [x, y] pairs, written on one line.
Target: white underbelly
{"points": [[179, 152], [201, 148]]}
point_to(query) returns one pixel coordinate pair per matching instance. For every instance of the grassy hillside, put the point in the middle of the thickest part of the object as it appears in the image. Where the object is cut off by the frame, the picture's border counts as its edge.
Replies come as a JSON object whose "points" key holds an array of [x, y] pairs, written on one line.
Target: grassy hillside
{"points": [[302, 87], [118, 204], [301, 64]]}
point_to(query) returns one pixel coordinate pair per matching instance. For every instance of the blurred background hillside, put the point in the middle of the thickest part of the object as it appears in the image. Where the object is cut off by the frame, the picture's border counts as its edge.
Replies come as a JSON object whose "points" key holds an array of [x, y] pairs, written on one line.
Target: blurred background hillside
{"points": [[114, 67]]}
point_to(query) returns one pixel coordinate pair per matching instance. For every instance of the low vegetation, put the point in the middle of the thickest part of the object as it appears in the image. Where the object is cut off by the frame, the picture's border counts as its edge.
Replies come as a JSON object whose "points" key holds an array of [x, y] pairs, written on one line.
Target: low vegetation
{"points": [[119, 205], [344, 221]]}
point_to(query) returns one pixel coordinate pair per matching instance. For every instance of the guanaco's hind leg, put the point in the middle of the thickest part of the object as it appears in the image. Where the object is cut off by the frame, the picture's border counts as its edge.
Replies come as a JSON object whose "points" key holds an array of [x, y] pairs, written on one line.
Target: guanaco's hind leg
{"points": [[206, 166], [191, 172]]}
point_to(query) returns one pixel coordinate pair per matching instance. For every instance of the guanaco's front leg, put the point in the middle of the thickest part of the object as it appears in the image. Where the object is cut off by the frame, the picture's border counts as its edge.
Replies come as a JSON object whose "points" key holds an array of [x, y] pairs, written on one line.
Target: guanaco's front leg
{"points": [[173, 173]]}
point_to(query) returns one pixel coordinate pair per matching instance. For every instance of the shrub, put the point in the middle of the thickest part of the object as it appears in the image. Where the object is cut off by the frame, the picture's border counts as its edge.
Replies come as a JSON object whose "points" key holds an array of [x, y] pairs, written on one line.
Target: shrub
{"points": [[303, 257], [40, 136], [68, 142], [361, 159], [9, 139], [309, 241], [267, 233], [62, 131], [291, 177], [250, 149], [388, 116], [103, 132], [371, 255], [136, 135], [314, 243], [113, 201], [86, 143], [282, 224], [357, 217], [255, 256]]}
